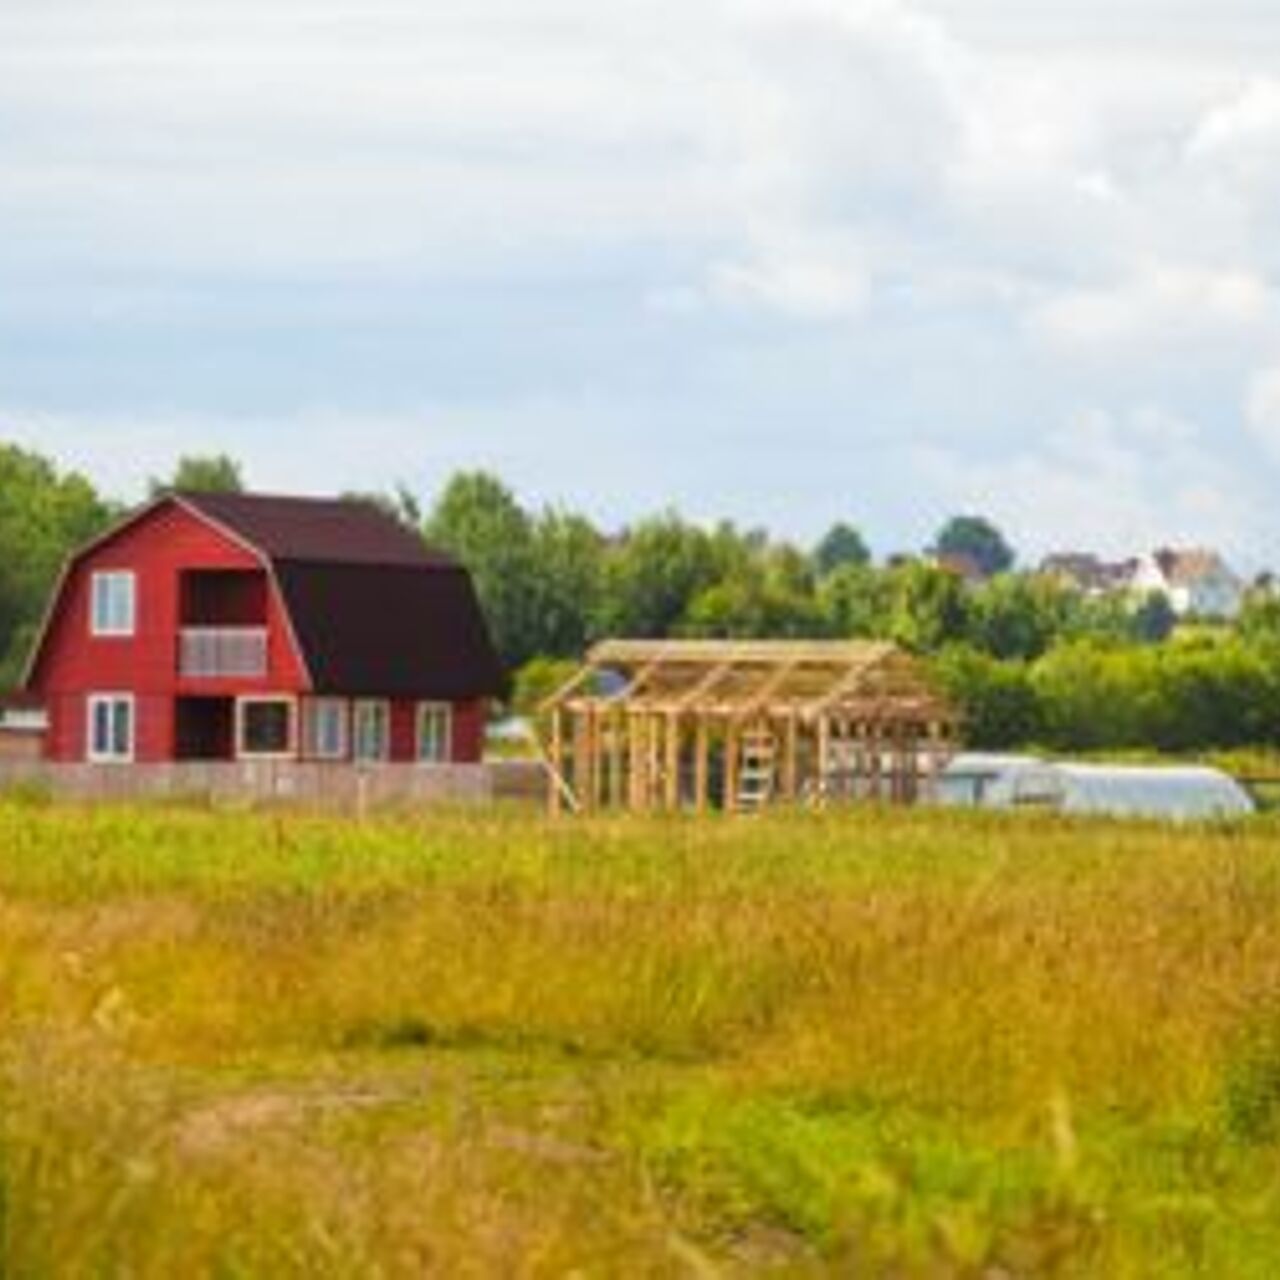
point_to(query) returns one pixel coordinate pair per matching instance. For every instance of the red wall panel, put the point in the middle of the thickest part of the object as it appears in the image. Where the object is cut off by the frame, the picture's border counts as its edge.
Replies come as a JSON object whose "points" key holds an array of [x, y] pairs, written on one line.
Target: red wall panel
{"points": [[468, 731], [404, 746]]}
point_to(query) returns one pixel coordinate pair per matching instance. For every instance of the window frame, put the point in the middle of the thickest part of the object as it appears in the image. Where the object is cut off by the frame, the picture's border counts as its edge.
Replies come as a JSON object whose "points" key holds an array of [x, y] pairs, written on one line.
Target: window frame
{"points": [[103, 579], [443, 710], [312, 746], [243, 703], [112, 701], [360, 706]]}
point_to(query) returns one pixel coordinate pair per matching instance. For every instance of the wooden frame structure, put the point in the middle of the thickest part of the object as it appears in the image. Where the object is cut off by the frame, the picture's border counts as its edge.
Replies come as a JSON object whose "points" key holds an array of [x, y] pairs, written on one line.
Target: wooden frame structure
{"points": [[699, 724]]}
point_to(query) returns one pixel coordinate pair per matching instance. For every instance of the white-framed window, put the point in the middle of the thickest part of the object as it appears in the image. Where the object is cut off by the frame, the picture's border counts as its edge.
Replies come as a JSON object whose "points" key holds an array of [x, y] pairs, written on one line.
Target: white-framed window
{"points": [[435, 732], [265, 727], [113, 603], [112, 728], [326, 733], [371, 730]]}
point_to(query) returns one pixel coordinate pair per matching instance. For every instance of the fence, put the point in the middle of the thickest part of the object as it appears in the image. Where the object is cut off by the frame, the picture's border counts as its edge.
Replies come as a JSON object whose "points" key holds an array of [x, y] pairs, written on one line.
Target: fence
{"points": [[341, 788]]}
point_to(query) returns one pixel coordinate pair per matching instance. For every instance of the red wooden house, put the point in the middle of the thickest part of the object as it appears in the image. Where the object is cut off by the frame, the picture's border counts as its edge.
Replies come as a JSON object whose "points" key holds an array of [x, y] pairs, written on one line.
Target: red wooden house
{"points": [[238, 627]]}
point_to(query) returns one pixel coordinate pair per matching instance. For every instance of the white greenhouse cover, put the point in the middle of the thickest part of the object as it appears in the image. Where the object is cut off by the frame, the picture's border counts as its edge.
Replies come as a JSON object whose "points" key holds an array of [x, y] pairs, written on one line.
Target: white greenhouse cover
{"points": [[1181, 792]]}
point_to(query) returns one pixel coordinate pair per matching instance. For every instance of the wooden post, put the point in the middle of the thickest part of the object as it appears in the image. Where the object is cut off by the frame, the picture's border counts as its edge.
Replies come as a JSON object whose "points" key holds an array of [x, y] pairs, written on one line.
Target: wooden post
{"points": [[654, 775], [702, 750], [582, 782], [730, 767], [599, 760], [791, 761], [638, 759], [824, 756], [617, 724], [673, 762], [556, 797]]}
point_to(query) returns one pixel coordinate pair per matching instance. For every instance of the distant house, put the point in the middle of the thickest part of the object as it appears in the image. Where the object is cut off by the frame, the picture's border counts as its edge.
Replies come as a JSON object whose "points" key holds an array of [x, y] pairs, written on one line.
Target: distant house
{"points": [[1088, 573], [237, 627], [960, 564], [1197, 582]]}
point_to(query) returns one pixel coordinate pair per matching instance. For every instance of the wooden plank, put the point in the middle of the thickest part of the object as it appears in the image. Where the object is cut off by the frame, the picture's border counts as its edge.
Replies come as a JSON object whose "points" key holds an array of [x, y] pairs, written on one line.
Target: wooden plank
{"points": [[654, 770], [637, 762], [632, 653], [583, 784], [560, 794], [617, 727], [730, 798], [791, 761], [701, 765], [824, 756], [673, 763]]}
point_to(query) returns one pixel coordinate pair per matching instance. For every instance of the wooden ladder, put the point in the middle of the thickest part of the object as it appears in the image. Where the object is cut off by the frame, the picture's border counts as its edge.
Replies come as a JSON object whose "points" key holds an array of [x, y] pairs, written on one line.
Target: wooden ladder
{"points": [[757, 772]]}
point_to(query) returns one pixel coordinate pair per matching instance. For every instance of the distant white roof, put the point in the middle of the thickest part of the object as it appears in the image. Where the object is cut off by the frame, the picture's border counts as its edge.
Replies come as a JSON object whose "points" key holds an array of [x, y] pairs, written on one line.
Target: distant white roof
{"points": [[1181, 792], [989, 762], [1010, 781]]}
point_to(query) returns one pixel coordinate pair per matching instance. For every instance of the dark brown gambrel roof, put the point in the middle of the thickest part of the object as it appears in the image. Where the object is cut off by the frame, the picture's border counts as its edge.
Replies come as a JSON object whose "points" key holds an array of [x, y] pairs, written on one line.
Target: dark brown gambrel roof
{"points": [[330, 530], [375, 611], [393, 631]]}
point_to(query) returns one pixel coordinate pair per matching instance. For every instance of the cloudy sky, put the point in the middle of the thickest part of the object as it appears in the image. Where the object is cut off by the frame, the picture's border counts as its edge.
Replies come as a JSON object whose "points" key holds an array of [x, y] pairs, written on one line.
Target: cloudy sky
{"points": [[783, 260]]}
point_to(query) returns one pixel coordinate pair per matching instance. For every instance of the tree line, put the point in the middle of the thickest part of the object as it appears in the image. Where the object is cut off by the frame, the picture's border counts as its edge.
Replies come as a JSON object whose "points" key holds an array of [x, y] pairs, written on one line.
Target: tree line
{"points": [[1027, 658]]}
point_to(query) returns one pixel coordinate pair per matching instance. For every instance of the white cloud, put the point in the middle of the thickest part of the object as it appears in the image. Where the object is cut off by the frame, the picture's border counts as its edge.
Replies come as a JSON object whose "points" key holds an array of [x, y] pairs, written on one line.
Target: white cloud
{"points": [[1113, 483], [891, 184], [1262, 410], [1159, 305]]}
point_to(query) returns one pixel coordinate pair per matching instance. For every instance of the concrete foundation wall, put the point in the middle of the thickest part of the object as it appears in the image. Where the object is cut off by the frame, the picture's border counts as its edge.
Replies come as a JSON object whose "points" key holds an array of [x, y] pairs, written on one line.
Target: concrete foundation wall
{"points": [[337, 788]]}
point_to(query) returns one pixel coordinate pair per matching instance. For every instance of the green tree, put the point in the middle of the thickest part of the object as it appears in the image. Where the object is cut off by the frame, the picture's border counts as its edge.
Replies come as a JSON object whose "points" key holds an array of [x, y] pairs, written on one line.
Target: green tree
{"points": [[841, 545], [769, 599], [478, 519], [995, 698], [928, 607], [978, 539], [1259, 620], [1213, 694], [1154, 620], [1090, 696], [568, 554], [400, 504], [653, 573], [1016, 616], [856, 600], [44, 516], [202, 473]]}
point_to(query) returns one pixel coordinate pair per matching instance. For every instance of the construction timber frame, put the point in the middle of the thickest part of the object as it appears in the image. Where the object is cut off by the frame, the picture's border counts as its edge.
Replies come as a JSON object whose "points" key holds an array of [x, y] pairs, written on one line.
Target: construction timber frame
{"points": [[692, 725]]}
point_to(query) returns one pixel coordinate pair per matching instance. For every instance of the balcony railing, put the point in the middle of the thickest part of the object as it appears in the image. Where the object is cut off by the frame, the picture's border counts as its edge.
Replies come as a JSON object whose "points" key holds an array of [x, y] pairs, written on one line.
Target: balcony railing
{"points": [[220, 653]]}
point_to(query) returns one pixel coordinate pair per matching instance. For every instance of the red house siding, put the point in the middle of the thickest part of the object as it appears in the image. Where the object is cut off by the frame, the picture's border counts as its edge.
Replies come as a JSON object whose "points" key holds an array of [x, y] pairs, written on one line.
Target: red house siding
{"points": [[467, 746], [75, 663], [468, 731]]}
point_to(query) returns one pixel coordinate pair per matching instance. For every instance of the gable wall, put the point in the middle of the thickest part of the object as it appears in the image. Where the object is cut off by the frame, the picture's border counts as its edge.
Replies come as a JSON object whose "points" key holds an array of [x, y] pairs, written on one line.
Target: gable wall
{"points": [[75, 663]]}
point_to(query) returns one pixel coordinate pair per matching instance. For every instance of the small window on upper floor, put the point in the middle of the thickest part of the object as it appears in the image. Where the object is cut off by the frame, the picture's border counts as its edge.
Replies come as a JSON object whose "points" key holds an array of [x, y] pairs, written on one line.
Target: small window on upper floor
{"points": [[114, 604]]}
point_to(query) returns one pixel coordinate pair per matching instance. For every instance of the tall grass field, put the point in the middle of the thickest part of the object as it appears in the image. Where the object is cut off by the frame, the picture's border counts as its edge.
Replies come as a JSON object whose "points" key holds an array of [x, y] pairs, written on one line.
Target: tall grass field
{"points": [[857, 1044]]}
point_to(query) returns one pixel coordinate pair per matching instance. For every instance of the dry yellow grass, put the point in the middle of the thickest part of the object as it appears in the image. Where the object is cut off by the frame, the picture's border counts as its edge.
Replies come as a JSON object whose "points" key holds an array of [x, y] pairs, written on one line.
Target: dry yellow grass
{"points": [[867, 1043]]}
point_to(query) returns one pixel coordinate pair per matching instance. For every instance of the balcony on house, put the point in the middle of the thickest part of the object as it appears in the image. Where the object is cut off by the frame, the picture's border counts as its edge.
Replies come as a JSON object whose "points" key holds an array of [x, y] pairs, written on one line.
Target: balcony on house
{"points": [[223, 625]]}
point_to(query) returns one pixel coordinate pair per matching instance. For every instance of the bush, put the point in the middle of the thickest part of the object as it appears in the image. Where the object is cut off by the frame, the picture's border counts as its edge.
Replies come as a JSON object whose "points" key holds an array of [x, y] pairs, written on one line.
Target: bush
{"points": [[537, 680], [995, 698]]}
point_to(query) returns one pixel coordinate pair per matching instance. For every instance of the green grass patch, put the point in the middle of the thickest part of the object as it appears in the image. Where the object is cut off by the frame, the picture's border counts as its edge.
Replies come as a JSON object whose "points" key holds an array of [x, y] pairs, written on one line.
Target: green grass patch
{"points": [[863, 1043]]}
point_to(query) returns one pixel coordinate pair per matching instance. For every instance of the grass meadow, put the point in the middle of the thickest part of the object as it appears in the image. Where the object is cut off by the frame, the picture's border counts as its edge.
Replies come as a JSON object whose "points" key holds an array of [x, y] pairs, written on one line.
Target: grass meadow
{"points": [[865, 1043]]}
